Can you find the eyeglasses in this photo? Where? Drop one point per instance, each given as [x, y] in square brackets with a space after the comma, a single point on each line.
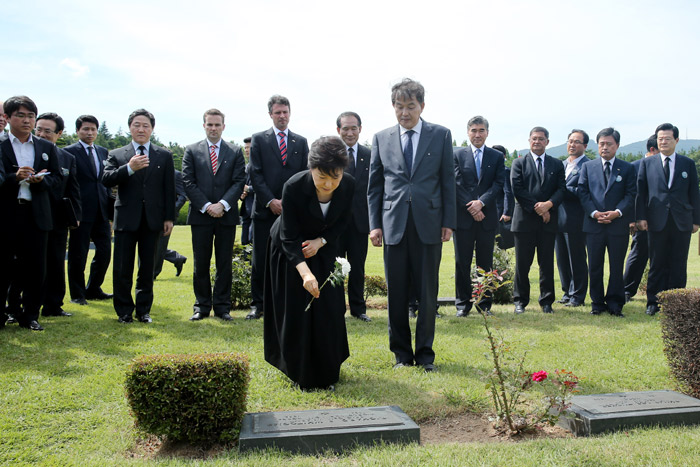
[43, 130]
[575, 141]
[22, 115]
[664, 139]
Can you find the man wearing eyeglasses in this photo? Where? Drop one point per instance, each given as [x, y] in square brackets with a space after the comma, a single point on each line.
[538, 187]
[29, 171]
[571, 256]
[668, 208]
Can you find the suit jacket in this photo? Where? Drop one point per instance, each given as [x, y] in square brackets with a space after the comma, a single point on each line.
[528, 191]
[655, 200]
[202, 186]
[267, 173]
[45, 157]
[360, 215]
[429, 190]
[67, 188]
[618, 193]
[506, 203]
[302, 218]
[570, 211]
[152, 188]
[180, 194]
[94, 195]
[487, 189]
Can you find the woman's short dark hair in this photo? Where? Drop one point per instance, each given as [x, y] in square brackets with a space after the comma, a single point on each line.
[328, 154]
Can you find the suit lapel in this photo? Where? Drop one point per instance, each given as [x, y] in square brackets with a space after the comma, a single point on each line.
[426, 135]
[38, 153]
[272, 139]
[614, 172]
[7, 149]
[204, 150]
[676, 171]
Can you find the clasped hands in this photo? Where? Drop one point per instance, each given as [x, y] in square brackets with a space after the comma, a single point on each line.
[542, 209]
[606, 217]
[474, 207]
[216, 210]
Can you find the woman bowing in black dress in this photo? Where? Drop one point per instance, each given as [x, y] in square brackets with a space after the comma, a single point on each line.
[309, 346]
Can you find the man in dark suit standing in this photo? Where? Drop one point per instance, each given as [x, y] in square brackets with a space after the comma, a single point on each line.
[162, 251]
[89, 159]
[412, 209]
[144, 210]
[639, 250]
[29, 172]
[607, 190]
[275, 155]
[479, 175]
[247, 198]
[66, 208]
[668, 207]
[214, 174]
[570, 239]
[354, 240]
[538, 187]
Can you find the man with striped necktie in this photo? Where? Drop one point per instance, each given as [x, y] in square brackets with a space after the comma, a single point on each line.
[214, 174]
[275, 155]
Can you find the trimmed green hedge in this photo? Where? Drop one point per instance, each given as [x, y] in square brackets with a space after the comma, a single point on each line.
[680, 328]
[194, 398]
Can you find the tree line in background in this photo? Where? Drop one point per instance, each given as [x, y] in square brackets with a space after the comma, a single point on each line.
[112, 141]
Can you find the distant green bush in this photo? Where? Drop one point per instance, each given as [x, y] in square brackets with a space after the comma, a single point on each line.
[194, 398]
[182, 215]
[241, 270]
[680, 328]
[375, 286]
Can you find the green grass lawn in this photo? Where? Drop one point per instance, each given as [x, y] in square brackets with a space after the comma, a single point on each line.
[62, 396]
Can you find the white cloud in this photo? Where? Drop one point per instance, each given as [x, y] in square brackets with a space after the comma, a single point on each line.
[74, 67]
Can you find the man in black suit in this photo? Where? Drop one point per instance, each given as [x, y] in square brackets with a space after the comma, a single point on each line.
[29, 172]
[412, 209]
[247, 198]
[214, 175]
[162, 251]
[607, 190]
[275, 155]
[571, 256]
[144, 210]
[479, 176]
[354, 240]
[89, 159]
[67, 212]
[538, 187]
[639, 250]
[668, 207]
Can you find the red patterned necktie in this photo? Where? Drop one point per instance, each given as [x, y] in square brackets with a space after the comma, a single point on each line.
[214, 159]
[283, 147]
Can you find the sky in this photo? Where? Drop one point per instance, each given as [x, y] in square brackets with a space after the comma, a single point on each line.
[558, 64]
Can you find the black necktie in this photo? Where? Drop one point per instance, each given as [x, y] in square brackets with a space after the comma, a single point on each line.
[142, 150]
[92, 161]
[408, 151]
[351, 162]
[540, 172]
[667, 169]
[606, 172]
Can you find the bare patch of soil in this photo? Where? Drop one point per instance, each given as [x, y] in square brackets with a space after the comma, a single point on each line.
[476, 428]
[154, 448]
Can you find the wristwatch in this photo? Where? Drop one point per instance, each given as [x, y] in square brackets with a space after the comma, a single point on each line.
[323, 241]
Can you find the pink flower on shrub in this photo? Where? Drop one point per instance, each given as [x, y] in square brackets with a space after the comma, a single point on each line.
[539, 376]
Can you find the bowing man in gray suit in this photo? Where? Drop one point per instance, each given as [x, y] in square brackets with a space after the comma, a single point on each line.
[214, 174]
[412, 207]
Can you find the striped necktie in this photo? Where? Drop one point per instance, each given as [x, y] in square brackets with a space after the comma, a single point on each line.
[283, 147]
[214, 158]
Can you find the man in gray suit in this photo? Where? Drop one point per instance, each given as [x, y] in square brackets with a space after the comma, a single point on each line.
[214, 174]
[412, 207]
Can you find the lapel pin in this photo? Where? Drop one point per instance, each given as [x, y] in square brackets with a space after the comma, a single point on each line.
[684, 174]
[619, 178]
[45, 156]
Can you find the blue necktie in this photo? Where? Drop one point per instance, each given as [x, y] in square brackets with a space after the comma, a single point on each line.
[408, 151]
[477, 162]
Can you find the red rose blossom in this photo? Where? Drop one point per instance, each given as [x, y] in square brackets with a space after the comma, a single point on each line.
[539, 376]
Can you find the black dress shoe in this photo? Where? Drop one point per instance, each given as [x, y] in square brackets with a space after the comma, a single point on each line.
[573, 303]
[616, 313]
[462, 313]
[126, 319]
[79, 301]
[145, 318]
[402, 365]
[596, 312]
[651, 310]
[58, 312]
[519, 309]
[564, 300]
[428, 367]
[412, 312]
[225, 317]
[628, 297]
[198, 316]
[547, 309]
[99, 295]
[11, 319]
[32, 326]
[362, 317]
[254, 314]
[178, 266]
